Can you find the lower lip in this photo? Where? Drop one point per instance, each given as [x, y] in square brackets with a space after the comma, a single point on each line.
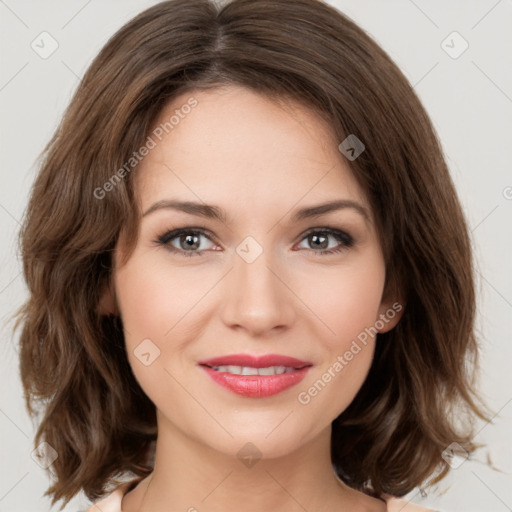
[256, 386]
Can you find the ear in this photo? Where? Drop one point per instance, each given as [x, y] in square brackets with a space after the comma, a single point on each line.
[107, 304]
[390, 313]
[392, 305]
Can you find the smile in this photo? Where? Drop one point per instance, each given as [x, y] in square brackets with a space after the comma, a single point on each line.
[255, 376]
[248, 370]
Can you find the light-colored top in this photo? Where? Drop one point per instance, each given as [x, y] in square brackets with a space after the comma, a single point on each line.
[112, 503]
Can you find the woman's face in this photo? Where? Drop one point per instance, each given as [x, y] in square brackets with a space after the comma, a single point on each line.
[252, 280]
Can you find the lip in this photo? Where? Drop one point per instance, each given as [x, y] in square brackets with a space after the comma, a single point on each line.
[256, 386]
[255, 361]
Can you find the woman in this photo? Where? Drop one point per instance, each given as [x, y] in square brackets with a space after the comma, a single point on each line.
[251, 279]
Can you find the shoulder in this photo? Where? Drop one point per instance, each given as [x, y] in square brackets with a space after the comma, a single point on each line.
[112, 502]
[402, 505]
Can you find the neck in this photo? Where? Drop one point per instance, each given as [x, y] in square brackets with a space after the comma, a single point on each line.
[190, 476]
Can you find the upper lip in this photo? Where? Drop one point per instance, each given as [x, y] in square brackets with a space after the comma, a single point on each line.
[262, 361]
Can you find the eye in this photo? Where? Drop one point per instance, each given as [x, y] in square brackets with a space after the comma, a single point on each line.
[319, 238]
[188, 241]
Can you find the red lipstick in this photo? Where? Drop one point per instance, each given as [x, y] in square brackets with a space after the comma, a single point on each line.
[278, 373]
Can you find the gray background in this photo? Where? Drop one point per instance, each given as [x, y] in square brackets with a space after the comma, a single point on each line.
[469, 99]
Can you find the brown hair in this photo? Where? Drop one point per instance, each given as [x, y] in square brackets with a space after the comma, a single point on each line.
[73, 363]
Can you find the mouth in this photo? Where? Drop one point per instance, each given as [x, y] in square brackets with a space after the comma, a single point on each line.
[249, 370]
[255, 376]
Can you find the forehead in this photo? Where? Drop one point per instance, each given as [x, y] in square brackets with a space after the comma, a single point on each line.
[241, 148]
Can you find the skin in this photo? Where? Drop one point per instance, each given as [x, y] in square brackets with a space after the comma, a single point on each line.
[270, 159]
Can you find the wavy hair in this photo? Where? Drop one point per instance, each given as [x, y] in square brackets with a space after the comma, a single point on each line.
[73, 363]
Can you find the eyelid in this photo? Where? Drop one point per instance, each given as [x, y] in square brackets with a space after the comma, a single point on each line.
[326, 229]
[175, 233]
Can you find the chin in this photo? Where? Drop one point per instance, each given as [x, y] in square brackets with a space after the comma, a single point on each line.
[262, 435]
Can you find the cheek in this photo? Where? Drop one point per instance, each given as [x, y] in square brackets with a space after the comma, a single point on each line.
[149, 309]
[154, 298]
[157, 302]
[334, 385]
[147, 315]
[346, 301]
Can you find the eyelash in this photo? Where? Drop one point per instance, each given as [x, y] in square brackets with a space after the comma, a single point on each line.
[345, 239]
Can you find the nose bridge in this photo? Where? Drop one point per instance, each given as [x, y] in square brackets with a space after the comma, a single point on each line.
[257, 299]
[252, 266]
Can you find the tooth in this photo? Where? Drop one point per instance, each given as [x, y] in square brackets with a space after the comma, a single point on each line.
[246, 370]
[225, 368]
[266, 371]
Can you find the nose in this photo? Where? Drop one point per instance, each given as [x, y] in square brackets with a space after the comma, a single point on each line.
[256, 296]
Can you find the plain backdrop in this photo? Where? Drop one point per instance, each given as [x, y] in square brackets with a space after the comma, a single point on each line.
[468, 94]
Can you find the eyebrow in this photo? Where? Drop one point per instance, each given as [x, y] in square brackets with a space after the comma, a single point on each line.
[214, 212]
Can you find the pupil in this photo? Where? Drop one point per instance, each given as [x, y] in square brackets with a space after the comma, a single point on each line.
[317, 238]
[190, 240]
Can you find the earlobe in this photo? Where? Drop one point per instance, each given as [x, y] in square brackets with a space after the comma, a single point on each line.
[107, 304]
[389, 315]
